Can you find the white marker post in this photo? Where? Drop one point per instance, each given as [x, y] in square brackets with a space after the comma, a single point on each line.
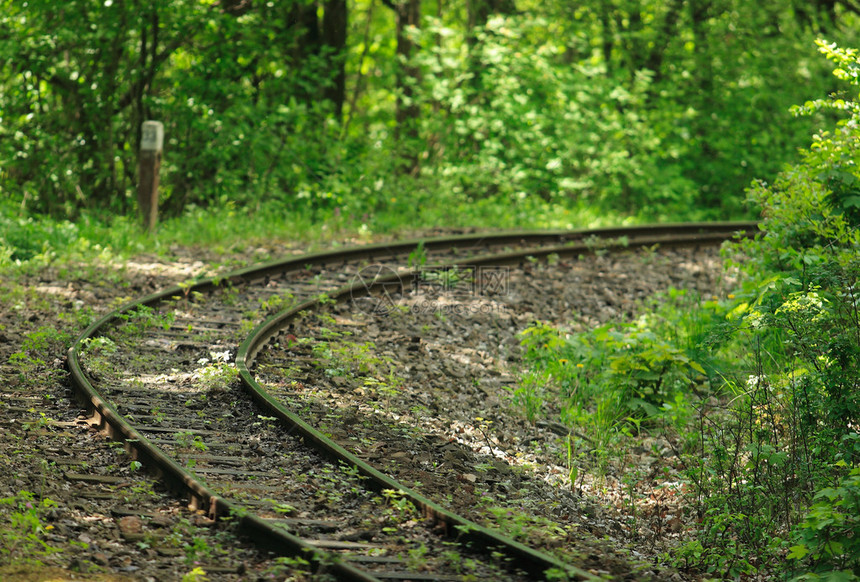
[149, 162]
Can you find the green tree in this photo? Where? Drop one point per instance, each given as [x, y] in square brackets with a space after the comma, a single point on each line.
[78, 79]
[635, 104]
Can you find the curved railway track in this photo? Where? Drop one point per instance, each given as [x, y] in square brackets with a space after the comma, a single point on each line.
[282, 481]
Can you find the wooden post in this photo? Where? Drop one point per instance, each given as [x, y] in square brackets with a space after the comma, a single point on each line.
[149, 162]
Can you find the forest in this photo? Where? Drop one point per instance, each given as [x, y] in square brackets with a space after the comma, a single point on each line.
[327, 120]
[366, 109]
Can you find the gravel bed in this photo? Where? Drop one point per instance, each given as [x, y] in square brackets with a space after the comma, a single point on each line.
[421, 385]
[73, 504]
[459, 370]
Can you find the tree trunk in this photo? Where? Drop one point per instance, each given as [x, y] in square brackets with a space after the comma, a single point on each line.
[607, 40]
[479, 11]
[408, 14]
[334, 34]
[699, 15]
[359, 77]
[478, 14]
[305, 22]
[668, 31]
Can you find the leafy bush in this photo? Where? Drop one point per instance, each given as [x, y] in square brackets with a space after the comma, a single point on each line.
[765, 455]
[773, 454]
[22, 239]
[619, 372]
[827, 540]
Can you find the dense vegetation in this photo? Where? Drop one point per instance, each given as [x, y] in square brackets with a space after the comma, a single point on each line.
[371, 108]
[759, 387]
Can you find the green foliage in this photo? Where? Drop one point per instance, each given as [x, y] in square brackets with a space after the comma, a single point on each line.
[811, 301]
[22, 239]
[217, 374]
[827, 538]
[237, 91]
[37, 345]
[143, 317]
[417, 258]
[790, 423]
[771, 457]
[277, 303]
[646, 107]
[22, 530]
[522, 107]
[196, 575]
[528, 396]
[96, 355]
[619, 371]
[197, 550]
[513, 122]
[285, 566]
[189, 441]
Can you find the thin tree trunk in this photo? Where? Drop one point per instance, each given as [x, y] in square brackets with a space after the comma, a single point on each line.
[699, 15]
[668, 30]
[303, 18]
[334, 35]
[478, 14]
[607, 40]
[408, 14]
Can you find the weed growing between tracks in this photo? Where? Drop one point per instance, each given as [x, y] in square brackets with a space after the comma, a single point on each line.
[23, 542]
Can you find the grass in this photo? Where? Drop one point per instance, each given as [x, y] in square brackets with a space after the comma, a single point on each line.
[35, 241]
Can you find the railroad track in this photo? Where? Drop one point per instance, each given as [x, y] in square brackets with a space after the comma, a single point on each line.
[160, 373]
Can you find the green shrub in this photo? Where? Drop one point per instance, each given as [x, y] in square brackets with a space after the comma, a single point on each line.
[620, 373]
[771, 452]
[514, 121]
[772, 465]
[22, 531]
[22, 239]
[828, 539]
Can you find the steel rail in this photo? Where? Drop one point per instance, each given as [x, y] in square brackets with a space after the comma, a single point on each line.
[536, 563]
[567, 243]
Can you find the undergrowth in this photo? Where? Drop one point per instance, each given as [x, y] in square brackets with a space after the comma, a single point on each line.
[23, 530]
[758, 390]
[36, 241]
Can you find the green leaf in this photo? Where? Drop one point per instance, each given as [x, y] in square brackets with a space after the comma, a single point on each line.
[851, 202]
[738, 311]
[798, 552]
[697, 367]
